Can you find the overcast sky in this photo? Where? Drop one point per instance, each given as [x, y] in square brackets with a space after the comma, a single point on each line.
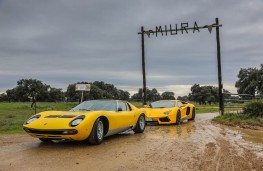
[61, 42]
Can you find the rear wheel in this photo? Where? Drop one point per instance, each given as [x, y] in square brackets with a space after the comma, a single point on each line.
[178, 117]
[193, 114]
[97, 133]
[140, 125]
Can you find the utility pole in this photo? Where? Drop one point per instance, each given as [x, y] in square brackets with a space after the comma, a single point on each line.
[220, 85]
[143, 69]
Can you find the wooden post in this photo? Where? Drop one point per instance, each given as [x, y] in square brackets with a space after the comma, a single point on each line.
[143, 69]
[220, 85]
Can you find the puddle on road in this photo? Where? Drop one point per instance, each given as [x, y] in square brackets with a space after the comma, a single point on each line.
[239, 137]
[254, 136]
[171, 132]
[178, 132]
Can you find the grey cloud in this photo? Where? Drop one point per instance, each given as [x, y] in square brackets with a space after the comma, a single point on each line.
[63, 41]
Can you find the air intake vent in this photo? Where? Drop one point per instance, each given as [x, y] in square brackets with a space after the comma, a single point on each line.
[60, 116]
[166, 119]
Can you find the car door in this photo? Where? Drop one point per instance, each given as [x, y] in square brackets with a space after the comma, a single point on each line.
[183, 109]
[125, 114]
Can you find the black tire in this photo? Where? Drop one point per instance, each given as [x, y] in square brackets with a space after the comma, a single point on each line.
[178, 117]
[97, 134]
[140, 125]
[45, 140]
[193, 114]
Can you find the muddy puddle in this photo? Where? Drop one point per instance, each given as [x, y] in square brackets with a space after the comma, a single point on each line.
[253, 136]
[171, 132]
[246, 138]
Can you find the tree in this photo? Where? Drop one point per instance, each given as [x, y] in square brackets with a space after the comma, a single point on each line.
[3, 97]
[152, 95]
[196, 94]
[248, 81]
[137, 96]
[184, 98]
[55, 95]
[123, 95]
[27, 89]
[32, 88]
[11, 95]
[206, 94]
[168, 95]
[111, 91]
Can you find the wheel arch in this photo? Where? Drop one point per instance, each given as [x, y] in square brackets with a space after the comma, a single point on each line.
[137, 128]
[105, 124]
[142, 114]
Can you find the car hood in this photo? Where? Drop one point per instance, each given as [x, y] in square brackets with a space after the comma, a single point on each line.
[62, 114]
[57, 119]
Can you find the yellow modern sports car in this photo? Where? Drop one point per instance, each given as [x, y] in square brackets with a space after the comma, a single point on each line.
[169, 112]
[90, 120]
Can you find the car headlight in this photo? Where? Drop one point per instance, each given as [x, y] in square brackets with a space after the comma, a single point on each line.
[32, 119]
[167, 112]
[77, 121]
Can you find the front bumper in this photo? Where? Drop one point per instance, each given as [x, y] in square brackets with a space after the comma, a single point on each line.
[52, 132]
[58, 134]
[170, 119]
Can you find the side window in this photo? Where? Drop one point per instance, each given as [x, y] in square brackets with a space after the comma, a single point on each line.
[123, 106]
[179, 104]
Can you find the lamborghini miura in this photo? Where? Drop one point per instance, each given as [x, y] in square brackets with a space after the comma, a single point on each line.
[91, 121]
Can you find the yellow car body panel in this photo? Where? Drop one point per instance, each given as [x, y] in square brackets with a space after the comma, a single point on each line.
[56, 124]
[168, 115]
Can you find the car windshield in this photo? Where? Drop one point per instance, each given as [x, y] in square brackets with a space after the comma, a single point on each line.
[161, 104]
[94, 105]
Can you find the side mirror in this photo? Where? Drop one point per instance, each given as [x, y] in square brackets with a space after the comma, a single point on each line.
[119, 109]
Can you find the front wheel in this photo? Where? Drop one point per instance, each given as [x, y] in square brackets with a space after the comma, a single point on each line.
[193, 114]
[140, 125]
[97, 133]
[178, 117]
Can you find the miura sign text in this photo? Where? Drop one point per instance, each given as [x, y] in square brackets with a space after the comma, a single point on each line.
[174, 29]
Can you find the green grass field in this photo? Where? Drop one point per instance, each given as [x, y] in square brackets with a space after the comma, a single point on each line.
[13, 115]
[238, 119]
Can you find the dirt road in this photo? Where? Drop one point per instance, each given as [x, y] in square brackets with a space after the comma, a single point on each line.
[195, 145]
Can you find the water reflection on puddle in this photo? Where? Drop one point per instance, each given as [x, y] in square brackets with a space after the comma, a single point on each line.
[172, 132]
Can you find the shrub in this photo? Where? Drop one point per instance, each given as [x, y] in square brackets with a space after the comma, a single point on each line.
[254, 108]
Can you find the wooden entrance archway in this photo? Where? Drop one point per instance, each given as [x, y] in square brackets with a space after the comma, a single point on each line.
[184, 28]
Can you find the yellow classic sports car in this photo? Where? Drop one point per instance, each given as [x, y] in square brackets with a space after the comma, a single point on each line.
[169, 112]
[90, 120]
